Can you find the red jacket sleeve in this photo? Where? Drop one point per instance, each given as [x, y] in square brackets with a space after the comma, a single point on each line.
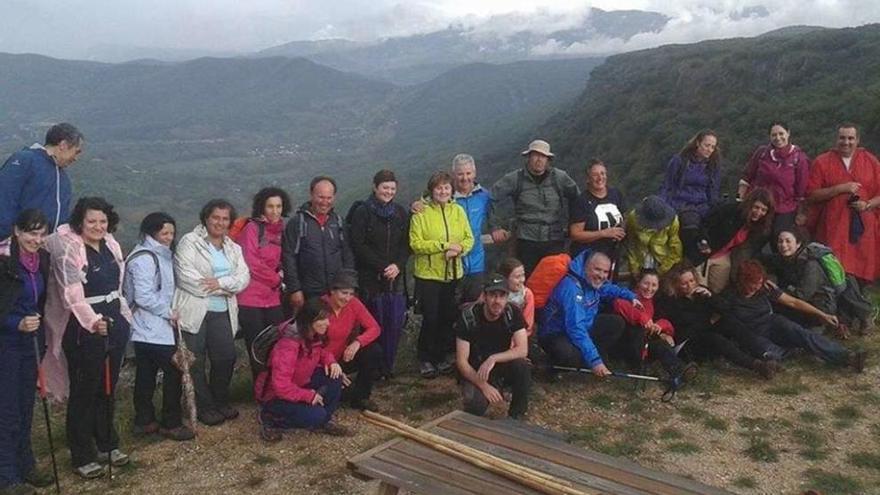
[283, 368]
[261, 271]
[367, 322]
[666, 327]
[629, 313]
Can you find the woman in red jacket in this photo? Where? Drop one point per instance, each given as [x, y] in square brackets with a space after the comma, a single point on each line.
[302, 385]
[259, 305]
[658, 340]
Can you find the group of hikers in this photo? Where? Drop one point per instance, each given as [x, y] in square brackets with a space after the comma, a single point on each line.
[778, 269]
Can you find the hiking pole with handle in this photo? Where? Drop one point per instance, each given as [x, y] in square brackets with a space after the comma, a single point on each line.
[108, 394]
[41, 386]
[672, 384]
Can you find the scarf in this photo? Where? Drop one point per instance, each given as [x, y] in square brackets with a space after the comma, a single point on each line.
[382, 210]
[30, 261]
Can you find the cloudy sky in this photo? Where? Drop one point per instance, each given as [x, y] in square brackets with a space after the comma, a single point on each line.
[74, 28]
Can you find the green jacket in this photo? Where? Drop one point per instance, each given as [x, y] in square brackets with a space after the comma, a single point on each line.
[541, 208]
[431, 232]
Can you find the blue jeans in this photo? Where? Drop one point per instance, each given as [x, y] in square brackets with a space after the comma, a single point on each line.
[786, 334]
[283, 414]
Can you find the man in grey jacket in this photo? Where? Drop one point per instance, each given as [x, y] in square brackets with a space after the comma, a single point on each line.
[540, 195]
[314, 248]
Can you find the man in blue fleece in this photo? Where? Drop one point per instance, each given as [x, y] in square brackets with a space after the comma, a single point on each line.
[35, 177]
[573, 333]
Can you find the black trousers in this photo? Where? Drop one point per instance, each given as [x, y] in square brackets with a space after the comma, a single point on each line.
[214, 341]
[90, 412]
[610, 335]
[531, 252]
[514, 374]
[661, 351]
[150, 358]
[712, 343]
[367, 362]
[253, 321]
[439, 312]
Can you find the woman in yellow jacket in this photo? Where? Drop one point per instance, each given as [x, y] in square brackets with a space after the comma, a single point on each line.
[439, 237]
[652, 239]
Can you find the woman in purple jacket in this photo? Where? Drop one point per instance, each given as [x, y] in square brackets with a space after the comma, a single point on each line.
[259, 305]
[783, 169]
[692, 186]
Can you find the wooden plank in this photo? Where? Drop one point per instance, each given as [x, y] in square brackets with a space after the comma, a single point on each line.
[555, 451]
[405, 478]
[353, 461]
[583, 480]
[386, 489]
[453, 471]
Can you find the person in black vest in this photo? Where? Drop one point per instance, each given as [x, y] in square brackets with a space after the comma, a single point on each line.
[379, 237]
[314, 247]
[491, 348]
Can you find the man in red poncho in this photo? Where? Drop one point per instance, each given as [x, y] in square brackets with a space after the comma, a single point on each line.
[844, 185]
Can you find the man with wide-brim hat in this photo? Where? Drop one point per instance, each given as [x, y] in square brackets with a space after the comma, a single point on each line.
[540, 195]
[652, 233]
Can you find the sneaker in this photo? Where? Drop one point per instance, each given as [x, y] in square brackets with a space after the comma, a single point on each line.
[428, 370]
[446, 366]
[147, 429]
[856, 361]
[364, 405]
[90, 471]
[17, 489]
[270, 435]
[39, 478]
[211, 417]
[117, 457]
[179, 434]
[228, 412]
[335, 430]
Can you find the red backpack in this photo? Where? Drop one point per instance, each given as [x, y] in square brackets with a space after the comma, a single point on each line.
[545, 277]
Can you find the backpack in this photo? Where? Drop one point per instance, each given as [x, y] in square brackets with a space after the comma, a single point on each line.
[301, 218]
[832, 266]
[128, 285]
[546, 276]
[265, 341]
[240, 223]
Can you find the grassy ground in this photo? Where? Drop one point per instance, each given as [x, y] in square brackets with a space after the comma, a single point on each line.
[813, 427]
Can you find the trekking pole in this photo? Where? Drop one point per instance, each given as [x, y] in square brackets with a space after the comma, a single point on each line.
[672, 384]
[108, 394]
[41, 385]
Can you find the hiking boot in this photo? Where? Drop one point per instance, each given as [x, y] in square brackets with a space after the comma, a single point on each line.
[179, 434]
[446, 366]
[428, 370]
[117, 457]
[270, 435]
[866, 326]
[334, 430]
[364, 405]
[17, 489]
[688, 373]
[90, 471]
[856, 361]
[211, 417]
[39, 478]
[228, 412]
[147, 429]
[767, 369]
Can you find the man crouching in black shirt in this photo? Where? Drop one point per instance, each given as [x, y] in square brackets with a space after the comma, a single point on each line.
[491, 346]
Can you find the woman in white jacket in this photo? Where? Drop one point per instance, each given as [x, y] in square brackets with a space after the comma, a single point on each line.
[210, 271]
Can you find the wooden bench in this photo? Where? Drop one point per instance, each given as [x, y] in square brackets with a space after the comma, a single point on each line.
[402, 464]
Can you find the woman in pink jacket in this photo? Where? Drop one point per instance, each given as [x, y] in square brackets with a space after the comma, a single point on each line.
[88, 318]
[302, 386]
[259, 305]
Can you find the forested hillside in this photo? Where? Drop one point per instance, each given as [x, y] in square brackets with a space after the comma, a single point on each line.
[639, 108]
